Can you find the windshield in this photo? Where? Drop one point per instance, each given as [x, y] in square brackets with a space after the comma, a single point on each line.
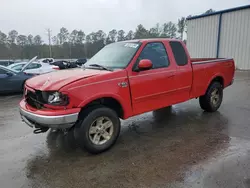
[115, 55]
[8, 69]
[17, 67]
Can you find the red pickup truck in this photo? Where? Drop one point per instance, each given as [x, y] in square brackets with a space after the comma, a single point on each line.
[123, 79]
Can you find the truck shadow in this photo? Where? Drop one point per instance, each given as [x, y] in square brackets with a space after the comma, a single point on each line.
[154, 148]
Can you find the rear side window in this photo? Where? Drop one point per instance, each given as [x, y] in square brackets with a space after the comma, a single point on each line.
[34, 66]
[18, 67]
[179, 53]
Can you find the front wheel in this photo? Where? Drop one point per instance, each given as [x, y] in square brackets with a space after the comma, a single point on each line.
[212, 100]
[23, 86]
[99, 130]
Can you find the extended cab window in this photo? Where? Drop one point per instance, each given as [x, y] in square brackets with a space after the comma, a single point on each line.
[179, 53]
[155, 52]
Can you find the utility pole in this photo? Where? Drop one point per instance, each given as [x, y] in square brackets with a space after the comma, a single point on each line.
[49, 36]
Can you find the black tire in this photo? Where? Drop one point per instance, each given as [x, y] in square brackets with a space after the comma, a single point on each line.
[23, 85]
[84, 124]
[206, 101]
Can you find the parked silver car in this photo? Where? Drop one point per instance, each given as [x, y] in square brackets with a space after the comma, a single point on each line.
[13, 81]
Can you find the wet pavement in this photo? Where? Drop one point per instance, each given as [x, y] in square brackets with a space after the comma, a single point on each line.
[177, 147]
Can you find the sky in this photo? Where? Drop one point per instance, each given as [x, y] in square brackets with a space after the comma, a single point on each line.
[35, 16]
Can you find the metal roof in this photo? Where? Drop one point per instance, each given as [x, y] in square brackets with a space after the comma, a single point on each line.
[219, 12]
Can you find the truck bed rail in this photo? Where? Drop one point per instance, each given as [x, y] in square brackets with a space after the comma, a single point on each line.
[208, 60]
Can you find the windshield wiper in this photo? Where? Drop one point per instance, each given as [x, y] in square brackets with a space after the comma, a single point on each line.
[100, 66]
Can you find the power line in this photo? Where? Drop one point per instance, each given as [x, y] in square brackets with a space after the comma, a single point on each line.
[49, 36]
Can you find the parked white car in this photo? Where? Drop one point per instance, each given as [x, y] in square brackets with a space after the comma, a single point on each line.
[46, 60]
[34, 67]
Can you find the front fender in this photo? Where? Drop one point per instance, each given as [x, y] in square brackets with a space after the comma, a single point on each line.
[126, 106]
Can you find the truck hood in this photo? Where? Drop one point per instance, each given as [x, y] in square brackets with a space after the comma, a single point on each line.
[56, 80]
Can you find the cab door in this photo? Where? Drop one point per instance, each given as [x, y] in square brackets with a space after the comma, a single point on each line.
[184, 74]
[155, 88]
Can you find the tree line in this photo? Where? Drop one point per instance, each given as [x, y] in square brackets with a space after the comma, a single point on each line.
[77, 44]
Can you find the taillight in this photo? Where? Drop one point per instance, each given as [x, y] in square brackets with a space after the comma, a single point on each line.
[55, 68]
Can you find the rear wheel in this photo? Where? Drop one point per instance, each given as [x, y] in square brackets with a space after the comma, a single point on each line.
[212, 100]
[23, 87]
[99, 130]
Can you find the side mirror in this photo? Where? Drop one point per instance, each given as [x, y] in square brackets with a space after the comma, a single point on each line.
[9, 74]
[145, 64]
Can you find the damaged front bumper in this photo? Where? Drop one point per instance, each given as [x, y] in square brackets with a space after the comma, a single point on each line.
[48, 119]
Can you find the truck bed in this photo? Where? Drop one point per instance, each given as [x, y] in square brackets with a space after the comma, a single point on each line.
[207, 69]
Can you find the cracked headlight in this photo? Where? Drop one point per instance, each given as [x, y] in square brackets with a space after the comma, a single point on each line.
[55, 98]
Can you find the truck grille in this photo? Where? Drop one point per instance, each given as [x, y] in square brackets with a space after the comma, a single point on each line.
[34, 99]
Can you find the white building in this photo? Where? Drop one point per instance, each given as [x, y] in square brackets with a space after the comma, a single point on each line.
[222, 34]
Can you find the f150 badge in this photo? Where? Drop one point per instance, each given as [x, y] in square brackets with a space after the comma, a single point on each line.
[123, 84]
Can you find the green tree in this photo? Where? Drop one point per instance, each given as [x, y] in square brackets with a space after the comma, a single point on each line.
[80, 37]
[3, 47]
[93, 37]
[22, 40]
[130, 35]
[181, 26]
[30, 40]
[38, 40]
[155, 32]
[121, 35]
[141, 32]
[76, 44]
[12, 36]
[73, 36]
[100, 36]
[94, 42]
[63, 35]
[88, 38]
[169, 30]
[112, 36]
[3, 38]
[99, 42]
[55, 40]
